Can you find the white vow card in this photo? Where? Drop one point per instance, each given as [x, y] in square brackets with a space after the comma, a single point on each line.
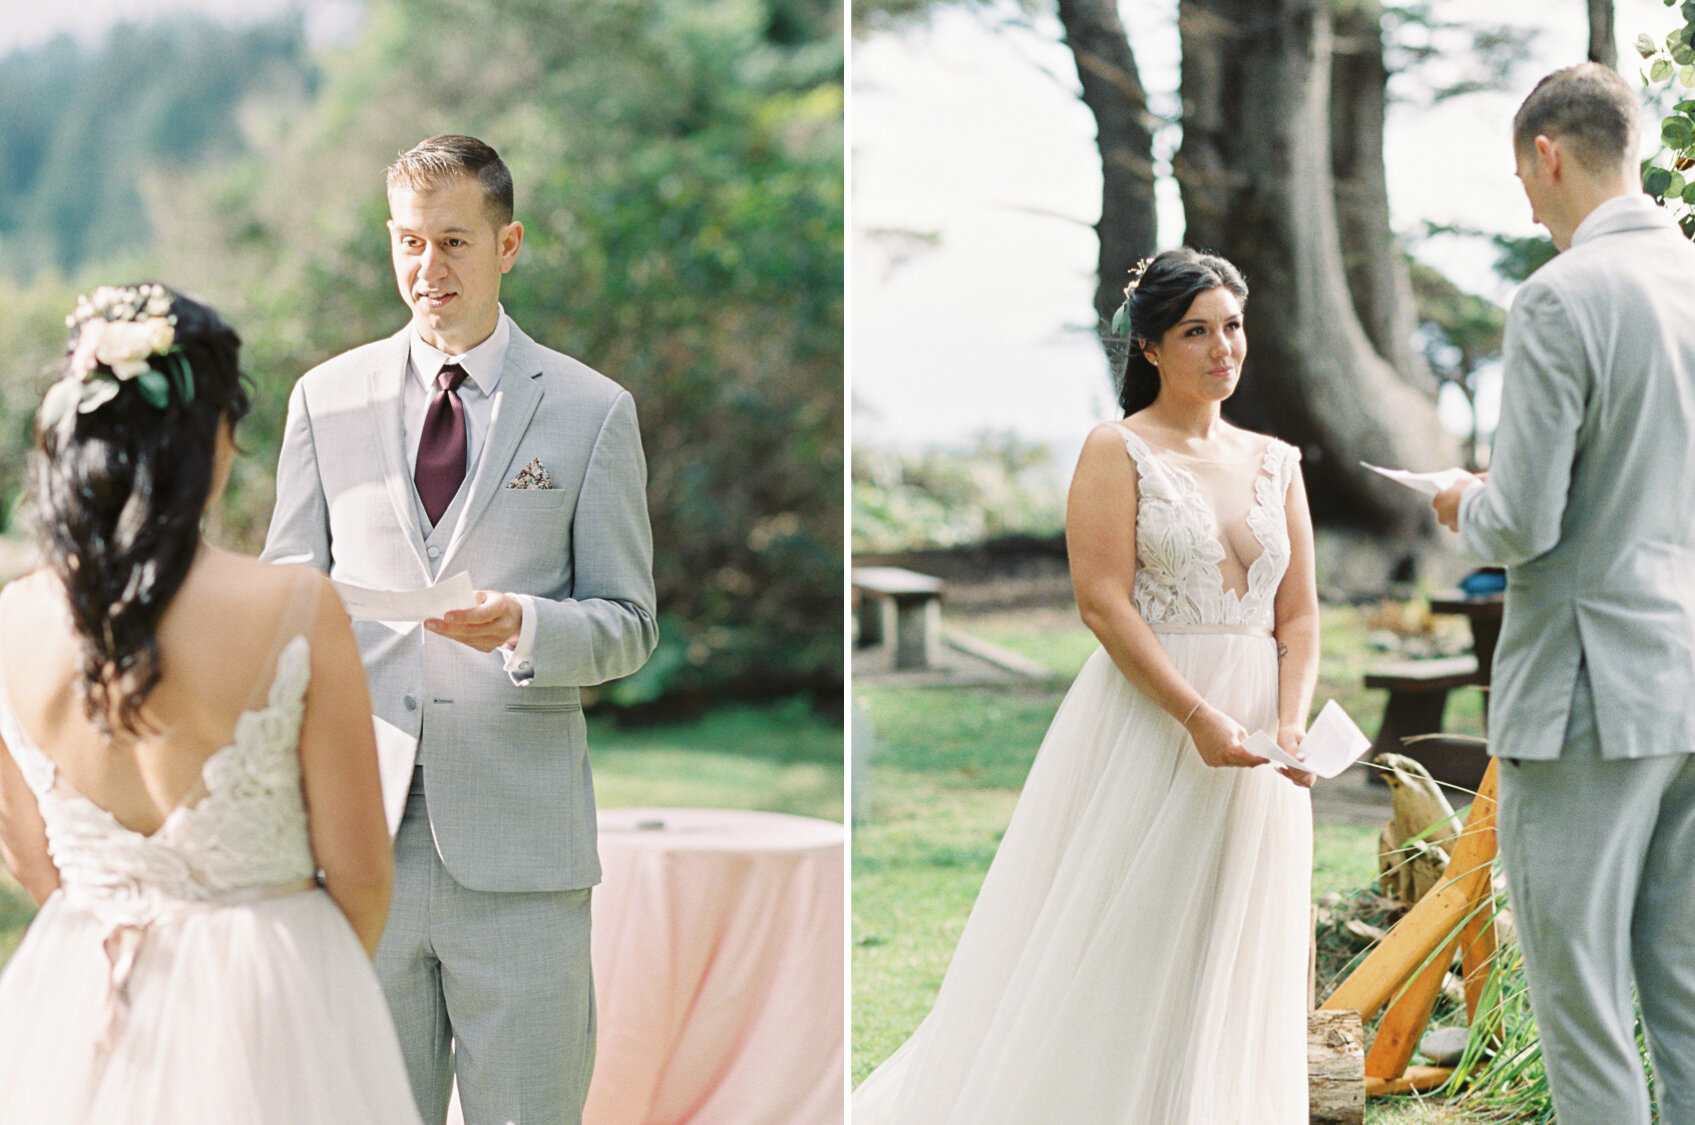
[365, 604]
[1428, 483]
[1333, 743]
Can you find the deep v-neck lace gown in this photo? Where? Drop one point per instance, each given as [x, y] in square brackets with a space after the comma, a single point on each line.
[1137, 954]
[195, 975]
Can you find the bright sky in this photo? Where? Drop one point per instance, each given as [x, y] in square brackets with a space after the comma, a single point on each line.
[969, 133]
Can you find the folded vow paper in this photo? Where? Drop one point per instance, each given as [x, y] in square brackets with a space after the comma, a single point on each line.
[408, 605]
[1428, 483]
[1332, 744]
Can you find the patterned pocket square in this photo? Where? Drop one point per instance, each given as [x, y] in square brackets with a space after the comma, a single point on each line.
[533, 475]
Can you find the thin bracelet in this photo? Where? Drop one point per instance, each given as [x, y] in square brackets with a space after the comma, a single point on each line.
[1191, 713]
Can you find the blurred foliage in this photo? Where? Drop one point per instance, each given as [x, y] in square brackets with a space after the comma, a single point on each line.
[1001, 485]
[679, 172]
[1669, 176]
[81, 128]
[1460, 334]
[1435, 56]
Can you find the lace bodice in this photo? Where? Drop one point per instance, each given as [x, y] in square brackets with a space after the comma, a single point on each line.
[1180, 542]
[247, 831]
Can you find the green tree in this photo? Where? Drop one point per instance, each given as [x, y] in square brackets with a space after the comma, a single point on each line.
[679, 170]
[680, 177]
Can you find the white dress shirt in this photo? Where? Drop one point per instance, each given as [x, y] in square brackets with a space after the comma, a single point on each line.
[483, 365]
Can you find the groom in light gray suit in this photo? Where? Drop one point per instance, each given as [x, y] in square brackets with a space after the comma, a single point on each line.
[460, 444]
[1590, 505]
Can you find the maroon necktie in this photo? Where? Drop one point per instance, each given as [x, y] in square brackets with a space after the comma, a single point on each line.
[441, 445]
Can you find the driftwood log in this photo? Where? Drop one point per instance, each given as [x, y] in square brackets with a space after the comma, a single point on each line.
[1336, 1067]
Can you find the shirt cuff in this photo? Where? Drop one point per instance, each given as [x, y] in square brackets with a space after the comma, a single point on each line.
[521, 655]
[1467, 495]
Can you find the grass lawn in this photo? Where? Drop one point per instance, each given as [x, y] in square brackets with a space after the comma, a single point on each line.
[779, 757]
[946, 772]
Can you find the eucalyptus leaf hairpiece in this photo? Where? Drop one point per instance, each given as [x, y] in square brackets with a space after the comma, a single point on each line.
[1121, 318]
[119, 332]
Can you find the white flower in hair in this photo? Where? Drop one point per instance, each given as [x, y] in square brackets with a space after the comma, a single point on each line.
[120, 333]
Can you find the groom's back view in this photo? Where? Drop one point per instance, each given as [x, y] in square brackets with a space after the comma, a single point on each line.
[460, 444]
[1590, 505]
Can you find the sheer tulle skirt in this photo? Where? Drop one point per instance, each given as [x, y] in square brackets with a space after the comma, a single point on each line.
[264, 1013]
[1137, 954]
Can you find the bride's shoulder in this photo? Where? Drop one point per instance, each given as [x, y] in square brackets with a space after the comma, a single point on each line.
[32, 595]
[1108, 436]
[1255, 444]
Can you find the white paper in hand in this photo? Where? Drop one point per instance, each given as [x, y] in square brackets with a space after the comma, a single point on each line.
[365, 604]
[1332, 744]
[1427, 483]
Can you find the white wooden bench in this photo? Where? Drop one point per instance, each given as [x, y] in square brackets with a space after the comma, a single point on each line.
[903, 606]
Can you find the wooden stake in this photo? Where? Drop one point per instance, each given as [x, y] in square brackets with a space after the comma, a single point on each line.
[1407, 952]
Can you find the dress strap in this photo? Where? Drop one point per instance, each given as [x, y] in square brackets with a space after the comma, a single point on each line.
[299, 612]
[1279, 461]
[1138, 449]
[33, 762]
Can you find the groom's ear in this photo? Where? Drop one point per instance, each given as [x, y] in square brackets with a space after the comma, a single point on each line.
[1551, 153]
[511, 237]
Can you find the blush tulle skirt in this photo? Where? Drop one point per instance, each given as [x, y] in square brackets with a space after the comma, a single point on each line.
[1138, 952]
[265, 1013]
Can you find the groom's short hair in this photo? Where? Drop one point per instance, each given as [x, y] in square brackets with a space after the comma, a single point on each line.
[1590, 108]
[432, 163]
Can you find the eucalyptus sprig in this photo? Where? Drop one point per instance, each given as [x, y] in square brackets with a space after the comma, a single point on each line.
[1669, 176]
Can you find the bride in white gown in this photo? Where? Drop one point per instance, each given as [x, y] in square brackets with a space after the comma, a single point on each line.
[1137, 954]
[188, 743]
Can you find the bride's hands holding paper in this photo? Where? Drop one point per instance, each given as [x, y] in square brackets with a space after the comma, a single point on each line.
[1219, 738]
[1289, 738]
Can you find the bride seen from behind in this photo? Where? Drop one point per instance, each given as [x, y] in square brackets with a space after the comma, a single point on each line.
[187, 743]
[1138, 951]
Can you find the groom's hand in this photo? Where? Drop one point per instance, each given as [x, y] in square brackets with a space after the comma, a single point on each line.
[1447, 502]
[492, 622]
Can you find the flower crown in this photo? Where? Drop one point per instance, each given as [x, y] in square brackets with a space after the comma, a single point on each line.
[1121, 318]
[121, 330]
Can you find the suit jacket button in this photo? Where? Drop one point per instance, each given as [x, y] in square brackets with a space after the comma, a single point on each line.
[434, 552]
[411, 702]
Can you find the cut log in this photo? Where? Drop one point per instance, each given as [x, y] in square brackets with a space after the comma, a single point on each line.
[1336, 1067]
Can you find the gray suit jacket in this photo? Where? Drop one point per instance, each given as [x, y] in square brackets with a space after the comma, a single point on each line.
[1590, 500]
[510, 797]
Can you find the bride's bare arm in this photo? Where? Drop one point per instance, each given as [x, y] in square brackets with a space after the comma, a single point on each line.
[1100, 538]
[23, 836]
[338, 762]
[1296, 626]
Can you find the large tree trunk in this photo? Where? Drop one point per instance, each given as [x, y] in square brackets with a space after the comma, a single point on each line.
[1377, 273]
[1112, 89]
[1254, 171]
[1603, 38]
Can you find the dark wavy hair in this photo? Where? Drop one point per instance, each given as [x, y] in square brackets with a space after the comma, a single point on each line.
[118, 495]
[1169, 285]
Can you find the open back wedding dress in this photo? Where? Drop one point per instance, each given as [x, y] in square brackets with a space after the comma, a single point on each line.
[196, 975]
[1137, 954]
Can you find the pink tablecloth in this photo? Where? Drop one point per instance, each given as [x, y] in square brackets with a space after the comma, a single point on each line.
[718, 961]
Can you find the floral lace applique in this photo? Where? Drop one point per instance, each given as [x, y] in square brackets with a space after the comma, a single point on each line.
[1177, 549]
[248, 829]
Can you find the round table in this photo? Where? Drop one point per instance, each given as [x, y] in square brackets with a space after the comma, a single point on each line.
[718, 959]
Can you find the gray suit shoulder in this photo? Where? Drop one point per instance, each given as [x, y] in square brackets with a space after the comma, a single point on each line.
[342, 375]
[581, 384]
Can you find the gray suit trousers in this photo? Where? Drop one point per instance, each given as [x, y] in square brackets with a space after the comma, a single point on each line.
[1600, 864]
[492, 986]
